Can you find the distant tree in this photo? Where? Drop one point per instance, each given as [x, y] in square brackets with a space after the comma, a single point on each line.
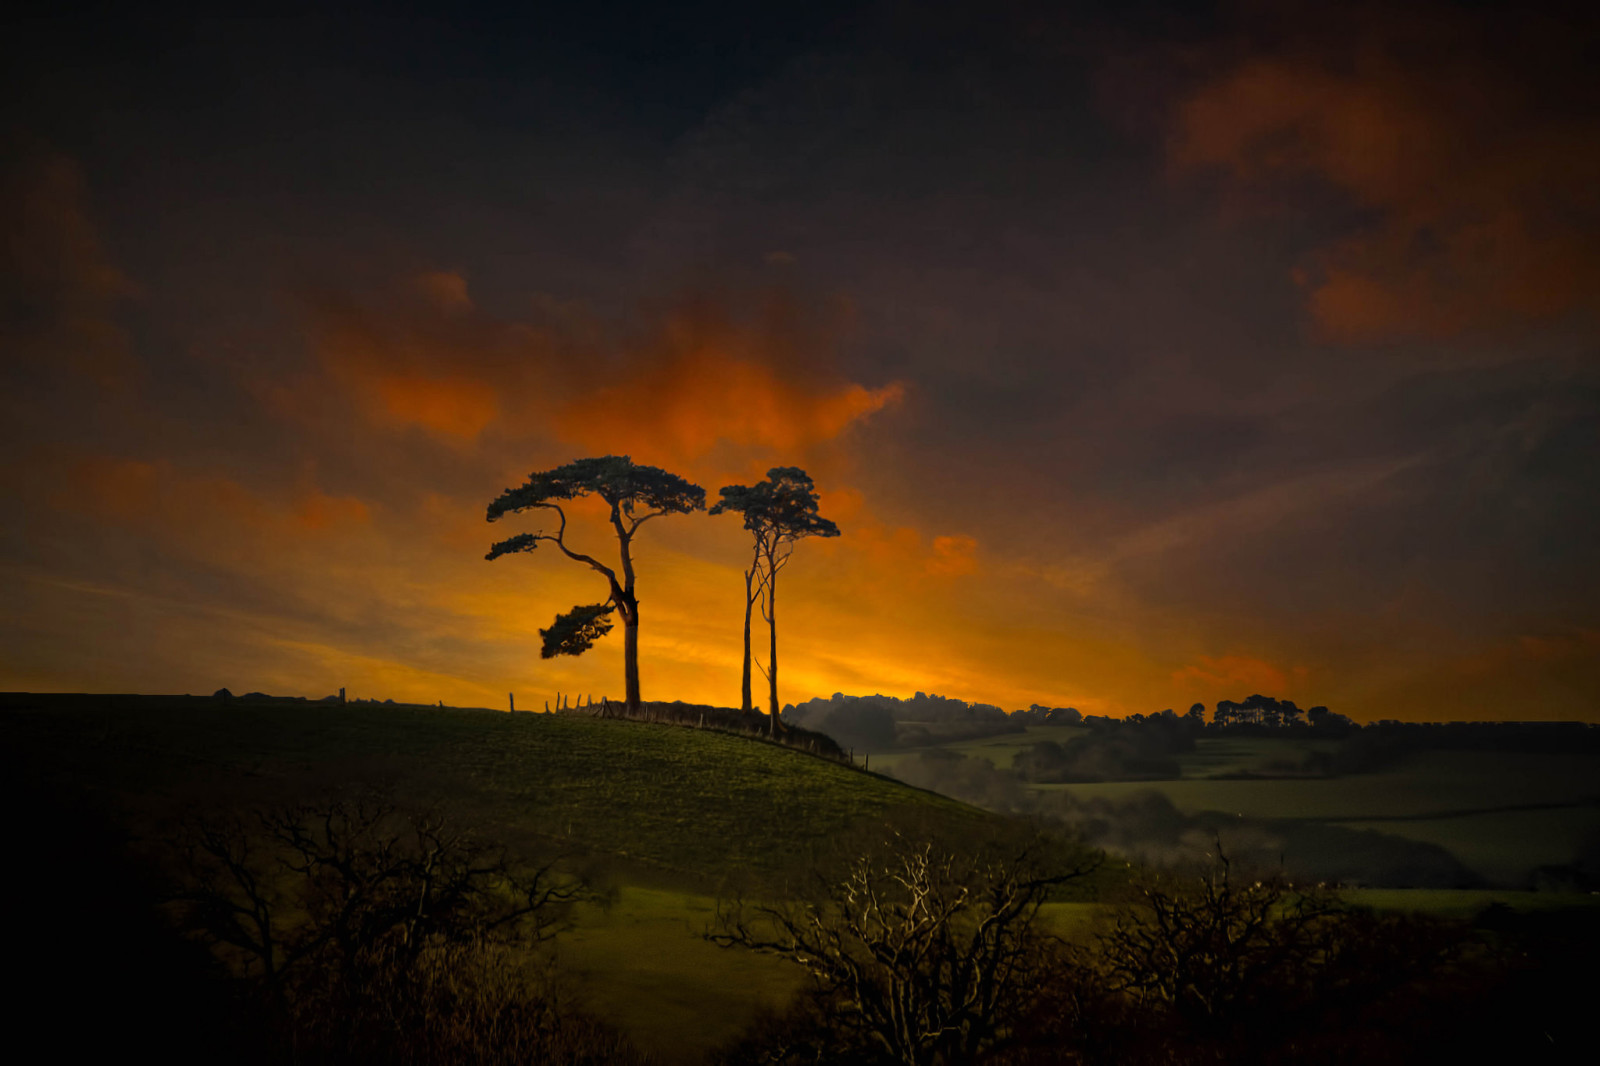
[779, 512]
[635, 494]
[1196, 718]
[1259, 710]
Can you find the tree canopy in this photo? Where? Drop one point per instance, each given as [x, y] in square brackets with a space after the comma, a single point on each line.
[617, 479]
[783, 507]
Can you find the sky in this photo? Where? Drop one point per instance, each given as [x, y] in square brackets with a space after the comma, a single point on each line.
[1144, 354]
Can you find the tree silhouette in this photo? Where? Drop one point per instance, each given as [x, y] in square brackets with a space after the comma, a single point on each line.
[779, 512]
[917, 952]
[636, 494]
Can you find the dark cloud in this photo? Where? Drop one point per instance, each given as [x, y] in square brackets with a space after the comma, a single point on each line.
[1467, 140]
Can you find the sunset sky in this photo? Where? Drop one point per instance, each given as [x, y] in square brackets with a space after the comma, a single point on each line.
[1144, 354]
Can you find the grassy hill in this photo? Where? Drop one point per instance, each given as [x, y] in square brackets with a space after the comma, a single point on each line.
[670, 803]
[671, 813]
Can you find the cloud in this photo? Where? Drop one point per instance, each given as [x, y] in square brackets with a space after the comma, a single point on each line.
[897, 556]
[1551, 673]
[1473, 168]
[692, 380]
[706, 381]
[420, 356]
[198, 508]
[448, 407]
[62, 290]
[446, 289]
[954, 555]
[1531, 653]
[1226, 676]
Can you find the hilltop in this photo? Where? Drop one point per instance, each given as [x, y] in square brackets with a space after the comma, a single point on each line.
[669, 802]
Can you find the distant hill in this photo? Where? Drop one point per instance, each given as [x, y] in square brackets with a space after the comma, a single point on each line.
[685, 804]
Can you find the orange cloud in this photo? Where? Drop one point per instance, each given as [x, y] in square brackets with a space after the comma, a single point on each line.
[701, 394]
[1481, 179]
[451, 407]
[884, 556]
[953, 556]
[316, 510]
[697, 380]
[422, 356]
[1226, 675]
[1534, 652]
[200, 506]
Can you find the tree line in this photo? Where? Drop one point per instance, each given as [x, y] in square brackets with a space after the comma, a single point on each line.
[778, 512]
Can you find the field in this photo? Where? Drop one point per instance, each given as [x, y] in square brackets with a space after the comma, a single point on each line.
[1502, 814]
[643, 964]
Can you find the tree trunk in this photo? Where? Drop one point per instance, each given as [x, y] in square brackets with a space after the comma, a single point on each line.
[630, 656]
[749, 602]
[772, 651]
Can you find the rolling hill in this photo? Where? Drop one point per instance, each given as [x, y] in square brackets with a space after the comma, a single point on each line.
[664, 803]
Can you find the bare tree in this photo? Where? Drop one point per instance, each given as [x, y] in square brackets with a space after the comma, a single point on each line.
[1210, 946]
[363, 927]
[916, 953]
[1219, 965]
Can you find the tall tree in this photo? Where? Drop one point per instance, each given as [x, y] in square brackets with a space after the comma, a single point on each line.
[779, 512]
[635, 494]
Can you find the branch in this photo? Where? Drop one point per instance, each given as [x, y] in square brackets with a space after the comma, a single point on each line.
[527, 542]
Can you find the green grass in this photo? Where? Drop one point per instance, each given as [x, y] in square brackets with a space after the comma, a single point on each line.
[1502, 814]
[687, 805]
[1466, 902]
[644, 965]
[1504, 846]
[1436, 784]
[671, 812]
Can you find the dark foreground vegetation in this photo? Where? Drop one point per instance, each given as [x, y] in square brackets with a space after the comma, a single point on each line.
[918, 954]
[338, 930]
[276, 883]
